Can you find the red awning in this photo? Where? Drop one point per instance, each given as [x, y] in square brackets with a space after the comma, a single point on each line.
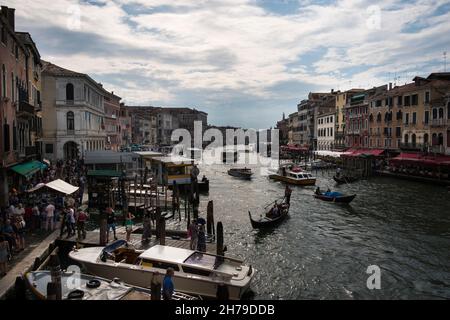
[365, 152]
[422, 159]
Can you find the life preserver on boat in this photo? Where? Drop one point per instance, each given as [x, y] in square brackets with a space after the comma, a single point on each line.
[94, 283]
[76, 294]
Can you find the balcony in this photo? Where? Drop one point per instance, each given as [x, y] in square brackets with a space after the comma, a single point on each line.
[412, 146]
[439, 122]
[25, 109]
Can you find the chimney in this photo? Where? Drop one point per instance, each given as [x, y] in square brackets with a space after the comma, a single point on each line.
[332, 90]
[390, 86]
[8, 13]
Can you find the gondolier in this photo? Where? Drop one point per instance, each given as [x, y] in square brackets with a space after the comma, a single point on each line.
[287, 194]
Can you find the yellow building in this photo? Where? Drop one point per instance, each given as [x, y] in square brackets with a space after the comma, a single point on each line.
[342, 99]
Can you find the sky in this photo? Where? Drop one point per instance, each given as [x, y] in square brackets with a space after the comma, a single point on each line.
[244, 62]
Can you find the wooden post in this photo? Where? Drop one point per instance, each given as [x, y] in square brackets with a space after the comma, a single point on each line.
[56, 275]
[103, 228]
[157, 221]
[219, 243]
[20, 288]
[165, 195]
[162, 231]
[210, 218]
[135, 200]
[52, 291]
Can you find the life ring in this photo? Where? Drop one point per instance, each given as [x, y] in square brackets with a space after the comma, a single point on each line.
[75, 294]
[94, 283]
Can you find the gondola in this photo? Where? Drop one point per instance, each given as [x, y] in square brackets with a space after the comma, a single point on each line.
[343, 179]
[267, 222]
[245, 173]
[335, 197]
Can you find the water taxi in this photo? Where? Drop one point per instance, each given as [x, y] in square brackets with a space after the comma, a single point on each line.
[292, 174]
[197, 273]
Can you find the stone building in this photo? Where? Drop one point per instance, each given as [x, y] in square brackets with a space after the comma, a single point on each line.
[112, 121]
[326, 130]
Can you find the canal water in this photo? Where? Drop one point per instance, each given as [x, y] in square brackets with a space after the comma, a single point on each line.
[324, 249]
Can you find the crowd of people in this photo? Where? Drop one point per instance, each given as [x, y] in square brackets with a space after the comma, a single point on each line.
[42, 211]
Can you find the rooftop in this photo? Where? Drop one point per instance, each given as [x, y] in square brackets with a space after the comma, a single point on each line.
[166, 253]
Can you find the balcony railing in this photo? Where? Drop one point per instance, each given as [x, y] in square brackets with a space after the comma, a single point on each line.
[412, 146]
[439, 122]
[25, 109]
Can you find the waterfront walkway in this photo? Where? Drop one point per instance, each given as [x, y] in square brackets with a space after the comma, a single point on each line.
[26, 263]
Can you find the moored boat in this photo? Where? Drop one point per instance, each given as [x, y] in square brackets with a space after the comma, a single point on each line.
[197, 273]
[243, 173]
[335, 197]
[269, 220]
[86, 287]
[292, 174]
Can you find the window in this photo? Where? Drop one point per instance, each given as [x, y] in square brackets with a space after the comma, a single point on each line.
[3, 81]
[398, 131]
[406, 118]
[399, 100]
[414, 99]
[414, 118]
[427, 97]
[427, 117]
[49, 148]
[425, 138]
[379, 117]
[199, 272]
[407, 100]
[4, 36]
[434, 113]
[70, 121]
[441, 113]
[14, 136]
[6, 138]
[413, 139]
[12, 88]
[69, 92]
[406, 138]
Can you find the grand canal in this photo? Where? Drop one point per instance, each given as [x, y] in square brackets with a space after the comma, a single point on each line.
[323, 250]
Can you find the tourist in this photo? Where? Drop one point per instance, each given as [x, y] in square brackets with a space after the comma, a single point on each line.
[20, 211]
[147, 227]
[70, 222]
[193, 233]
[4, 253]
[111, 223]
[19, 229]
[287, 194]
[8, 233]
[81, 224]
[50, 214]
[28, 217]
[201, 245]
[129, 225]
[168, 287]
[155, 286]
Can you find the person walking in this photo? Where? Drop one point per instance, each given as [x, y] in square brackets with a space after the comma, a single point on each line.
[129, 225]
[81, 225]
[63, 223]
[111, 223]
[193, 232]
[168, 287]
[155, 286]
[70, 221]
[36, 221]
[50, 213]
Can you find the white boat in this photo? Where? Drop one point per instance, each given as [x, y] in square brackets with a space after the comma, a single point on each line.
[293, 174]
[196, 272]
[86, 287]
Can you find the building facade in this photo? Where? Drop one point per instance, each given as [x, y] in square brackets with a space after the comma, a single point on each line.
[326, 131]
[112, 121]
[125, 127]
[19, 99]
[72, 113]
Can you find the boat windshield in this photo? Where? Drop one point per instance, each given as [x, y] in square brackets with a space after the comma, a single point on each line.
[202, 260]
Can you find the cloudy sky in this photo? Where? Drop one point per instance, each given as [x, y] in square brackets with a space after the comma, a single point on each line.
[245, 62]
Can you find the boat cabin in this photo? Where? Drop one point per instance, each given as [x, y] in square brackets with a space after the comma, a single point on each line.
[168, 170]
[300, 175]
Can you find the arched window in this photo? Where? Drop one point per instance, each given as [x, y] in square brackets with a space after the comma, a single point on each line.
[70, 121]
[379, 117]
[434, 113]
[441, 113]
[69, 92]
[413, 139]
[371, 118]
[425, 138]
[434, 139]
[406, 138]
[440, 139]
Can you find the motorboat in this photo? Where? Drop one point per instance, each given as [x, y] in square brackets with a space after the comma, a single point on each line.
[243, 173]
[195, 272]
[78, 286]
[293, 174]
[334, 197]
